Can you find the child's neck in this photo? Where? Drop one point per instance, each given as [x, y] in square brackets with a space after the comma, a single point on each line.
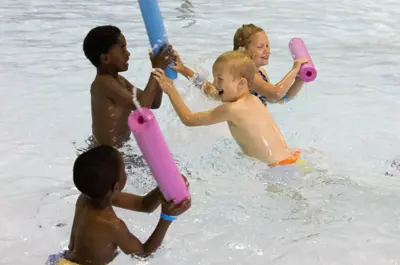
[102, 203]
[105, 71]
[242, 95]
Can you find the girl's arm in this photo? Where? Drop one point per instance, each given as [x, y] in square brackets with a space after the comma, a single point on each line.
[274, 93]
[207, 87]
[294, 89]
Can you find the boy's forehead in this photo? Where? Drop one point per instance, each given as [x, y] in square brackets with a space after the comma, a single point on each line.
[121, 39]
[220, 71]
[222, 68]
[219, 66]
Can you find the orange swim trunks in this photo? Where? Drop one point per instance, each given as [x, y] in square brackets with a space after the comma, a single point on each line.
[288, 161]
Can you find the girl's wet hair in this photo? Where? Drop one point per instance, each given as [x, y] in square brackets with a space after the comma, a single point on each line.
[243, 35]
[97, 171]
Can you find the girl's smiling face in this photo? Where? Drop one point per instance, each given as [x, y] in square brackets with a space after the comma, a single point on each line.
[259, 48]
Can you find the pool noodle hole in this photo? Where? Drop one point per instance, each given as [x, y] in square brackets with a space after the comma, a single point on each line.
[308, 74]
[141, 120]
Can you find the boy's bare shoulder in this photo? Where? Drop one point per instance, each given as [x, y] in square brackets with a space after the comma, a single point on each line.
[107, 218]
[125, 82]
[103, 83]
[241, 107]
[80, 200]
[106, 82]
[116, 224]
[237, 105]
[102, 80]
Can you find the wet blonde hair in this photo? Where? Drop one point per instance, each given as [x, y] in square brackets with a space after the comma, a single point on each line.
[243, 35]
[239, 64]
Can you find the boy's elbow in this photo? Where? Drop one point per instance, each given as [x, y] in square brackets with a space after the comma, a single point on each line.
[143, 254]
[156, 105]
[145, 251]
[149, 209]
[187, 122]
[157, 101]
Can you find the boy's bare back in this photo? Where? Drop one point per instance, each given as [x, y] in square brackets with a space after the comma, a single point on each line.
[92, 234]
[252, 125]
[109, 116]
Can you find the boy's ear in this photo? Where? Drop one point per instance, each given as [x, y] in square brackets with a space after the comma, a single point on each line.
[104, 58]
[116, 187]
[243, 82]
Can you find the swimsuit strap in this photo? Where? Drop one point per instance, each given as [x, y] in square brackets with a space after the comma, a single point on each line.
[263, 76]
[262, 98]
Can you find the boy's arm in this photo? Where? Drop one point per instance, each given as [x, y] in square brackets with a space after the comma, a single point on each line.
[130, 244]
[78, 205]
[145, 204]
[151, 97]
[71, 244]
[219, 114]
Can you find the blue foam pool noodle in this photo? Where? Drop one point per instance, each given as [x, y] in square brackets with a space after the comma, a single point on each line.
[155, 28]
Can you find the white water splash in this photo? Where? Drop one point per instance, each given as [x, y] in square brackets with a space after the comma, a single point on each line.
[199, 78]
[136, 102]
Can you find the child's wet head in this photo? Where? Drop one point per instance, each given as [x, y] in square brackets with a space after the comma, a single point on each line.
[255, 40]
[98, 174]
[233, 72]
[105, 48]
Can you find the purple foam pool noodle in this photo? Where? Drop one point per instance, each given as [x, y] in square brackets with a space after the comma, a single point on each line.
[298, 50]
[155, 151]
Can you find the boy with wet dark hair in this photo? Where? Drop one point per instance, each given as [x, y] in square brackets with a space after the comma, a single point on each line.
[97, 232]
[111, 94]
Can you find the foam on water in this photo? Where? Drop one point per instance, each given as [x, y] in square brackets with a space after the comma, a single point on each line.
[344, 212]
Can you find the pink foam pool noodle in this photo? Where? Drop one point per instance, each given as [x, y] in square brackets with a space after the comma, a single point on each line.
[298, 50]
[155, 151]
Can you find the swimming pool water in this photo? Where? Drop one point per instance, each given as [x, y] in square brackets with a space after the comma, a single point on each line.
[347, 121]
